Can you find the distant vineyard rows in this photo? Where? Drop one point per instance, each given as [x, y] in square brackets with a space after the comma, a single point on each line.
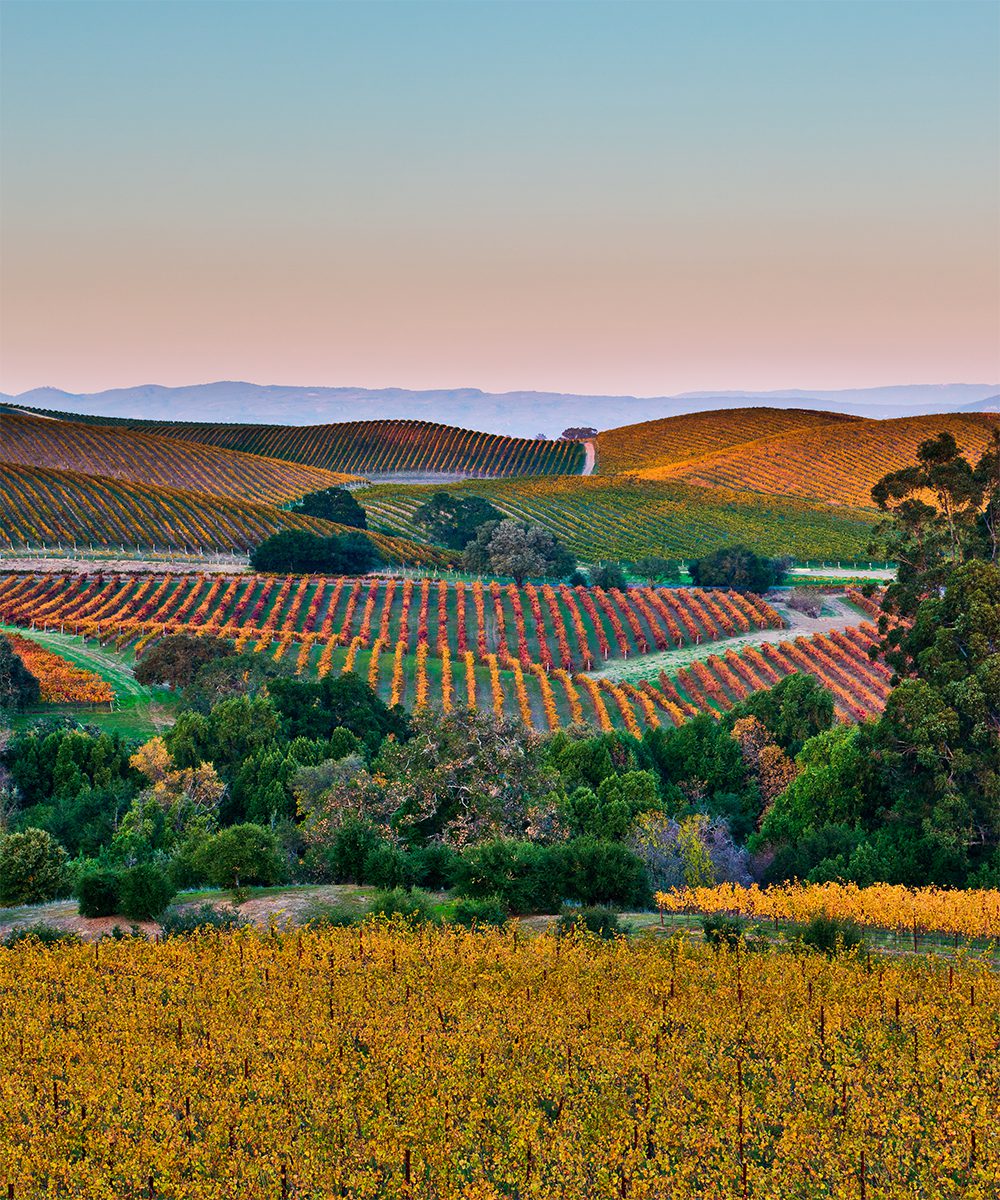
[60, 681]
[374, 447]
[122, 454]
[43, 506]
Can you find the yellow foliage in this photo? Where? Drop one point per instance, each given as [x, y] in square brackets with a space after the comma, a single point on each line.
[387, 1063]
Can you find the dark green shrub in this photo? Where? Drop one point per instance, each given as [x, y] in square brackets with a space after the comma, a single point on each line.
[479, 914]
[388, 867]
[176, 921]
[523, 876]
[596, 919]
[722, 930]
[591, 871]
[415, 905]
[145, 892]
[98, 893]
[32, 868]
[829, 935]
[344, 859]
[435, 867]
[46, 935]
[241, 855]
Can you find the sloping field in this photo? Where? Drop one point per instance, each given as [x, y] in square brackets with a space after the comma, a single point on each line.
[116, 452]
[616, 517]
[569, 627]
[382, 447]
[39, 506]
[835, 464]
[692, 435]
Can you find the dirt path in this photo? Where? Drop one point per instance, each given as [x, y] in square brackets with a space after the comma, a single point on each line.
[838, 615]
[590, 457]
[123, 566]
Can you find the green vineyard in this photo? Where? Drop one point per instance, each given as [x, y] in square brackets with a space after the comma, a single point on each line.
[621, 517]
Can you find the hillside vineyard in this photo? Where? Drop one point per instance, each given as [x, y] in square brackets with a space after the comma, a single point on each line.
[516, 651]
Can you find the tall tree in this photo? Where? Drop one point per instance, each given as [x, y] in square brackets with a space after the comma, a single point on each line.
[519, 550]
[453, 521]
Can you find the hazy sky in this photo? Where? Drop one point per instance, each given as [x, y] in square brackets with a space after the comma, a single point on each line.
[597, 197]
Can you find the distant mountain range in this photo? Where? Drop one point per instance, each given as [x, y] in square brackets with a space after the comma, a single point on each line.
[520, 413]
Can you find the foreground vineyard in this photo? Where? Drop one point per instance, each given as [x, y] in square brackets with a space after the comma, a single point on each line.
[378, 447]
[39, 506]
[117, 453]
[601, 517]
[398, 1064]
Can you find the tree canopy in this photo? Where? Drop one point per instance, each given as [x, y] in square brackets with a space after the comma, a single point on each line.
[297, 552]
[453, 521]
[519, 550]
[737, 567]
[335, 504]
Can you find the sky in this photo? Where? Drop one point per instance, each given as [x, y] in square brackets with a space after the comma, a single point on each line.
[641, 198]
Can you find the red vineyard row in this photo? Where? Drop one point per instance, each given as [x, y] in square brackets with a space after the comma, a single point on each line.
[556, 626]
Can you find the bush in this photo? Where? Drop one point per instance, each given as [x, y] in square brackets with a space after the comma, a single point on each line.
[592, 871]
[298, 552]
[737, 567]
[435, 867]
[608, 575]
[32, 868]
[98, 893]
[344, 859]
[489, 912]
[325, 915]
[414, 905]
[830, 935]
[45, 935]
[18, 687]
[177, 659]
[523, 876]
[241, 855]
[145, 892]
[388, 867]
[722, 930]
[596, 919]
[177, 922]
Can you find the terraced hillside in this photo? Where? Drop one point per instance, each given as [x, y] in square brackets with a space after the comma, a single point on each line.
[39, 506]
[623, 517]
[385, 447]
[834, 464]
[548, 656]
[116, 452]
[679, 439]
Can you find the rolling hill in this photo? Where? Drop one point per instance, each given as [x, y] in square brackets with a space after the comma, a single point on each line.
[832, 464]
[41, 506]
[675, 439]
[119, 453]
[623, 517]
[380, 447]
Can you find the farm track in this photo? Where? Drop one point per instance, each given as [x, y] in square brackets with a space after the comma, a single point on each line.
[648, 666]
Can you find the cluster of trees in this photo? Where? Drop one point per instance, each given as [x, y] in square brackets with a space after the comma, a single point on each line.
[298, 552]
[739, 568]
[335, 504]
